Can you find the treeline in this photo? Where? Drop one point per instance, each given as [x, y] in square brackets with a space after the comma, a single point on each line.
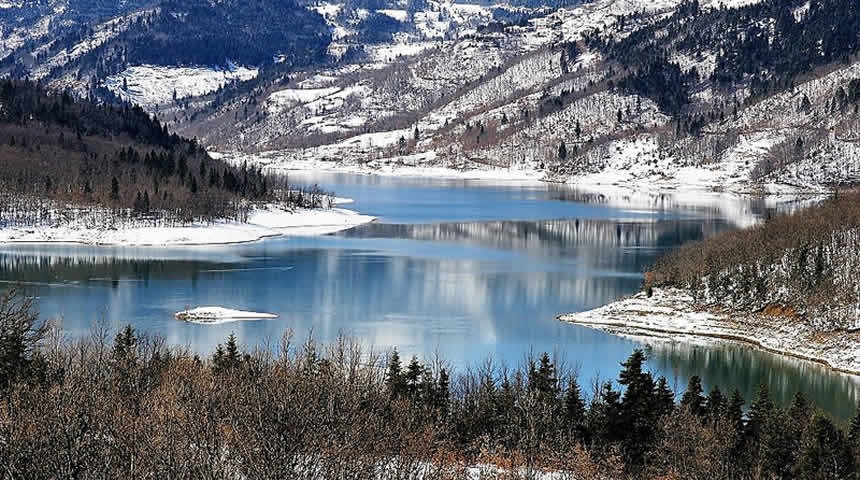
[133, 408]
[806, 262]
[57, 151]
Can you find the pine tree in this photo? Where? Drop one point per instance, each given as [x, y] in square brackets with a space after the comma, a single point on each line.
[543, 380]
[777, 445]
[394, 377]
[824, 452]
[664, 396]
[760, 410]
[800, 410]
[413, 376]
[562, 152]
[640, 409]
[443, 391]
[605, 422]
[854, 429]
[716, 403]
[574, 408]
[125, 342]
[692, 398]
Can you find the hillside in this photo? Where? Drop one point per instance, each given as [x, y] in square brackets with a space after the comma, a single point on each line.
[77, 44]
[663, 94]
[789, 285]
[803, 265]
[743, 96]
[58, 150]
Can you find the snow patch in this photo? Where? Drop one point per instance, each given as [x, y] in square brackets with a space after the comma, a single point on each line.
[152, 85]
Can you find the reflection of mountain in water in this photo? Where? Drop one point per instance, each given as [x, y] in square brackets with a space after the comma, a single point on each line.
[556, 238]
[731, 365]
[71, 268]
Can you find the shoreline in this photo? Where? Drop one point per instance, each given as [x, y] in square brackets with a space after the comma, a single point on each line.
[607, 180]
[671, 312]
[263, 223]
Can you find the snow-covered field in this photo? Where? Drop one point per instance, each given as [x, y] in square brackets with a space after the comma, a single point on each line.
[152, 85]
[271, 221]
[671, 312]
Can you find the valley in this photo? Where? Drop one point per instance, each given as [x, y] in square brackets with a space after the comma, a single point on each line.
[414, 239]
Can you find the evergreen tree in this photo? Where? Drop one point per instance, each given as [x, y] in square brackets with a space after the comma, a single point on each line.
[443, 391]
[665, 397]
[640, 410]
[412, 377]
[574, 408]
[605, 423]
[227, 357]
[543, 380]
[854, 430]
[800, 411]
[394, 376]
[824, 452]
[125, 343]
[692, 398]
[562, 152]
[777, 445]
[760, 410]
[716, 403]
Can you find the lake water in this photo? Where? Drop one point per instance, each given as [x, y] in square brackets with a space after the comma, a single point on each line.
[469, 270]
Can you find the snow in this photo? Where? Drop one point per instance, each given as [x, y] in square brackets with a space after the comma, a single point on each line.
[101, 34]
[399, 15]
[263, 222]
[152, 85]
[673, 312]
[294, 95]
[219, 315]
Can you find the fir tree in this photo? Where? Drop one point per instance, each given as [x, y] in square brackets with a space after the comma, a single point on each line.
[394, 380]
[716, 403]
[692, 398]
[412, 377]
[574, 408]
[125, 342]
[664, 397]
[562, 152]
[639, 408]
[824, 452]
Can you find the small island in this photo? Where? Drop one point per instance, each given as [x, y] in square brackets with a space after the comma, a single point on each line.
[212, 315]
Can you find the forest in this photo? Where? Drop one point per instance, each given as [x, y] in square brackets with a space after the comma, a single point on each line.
[765, 46]
[805, 262]
[124, 405]
[58, 152]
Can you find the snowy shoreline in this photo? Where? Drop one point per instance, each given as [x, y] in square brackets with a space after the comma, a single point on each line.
[609, 180]
[671, 313]
[263, 222]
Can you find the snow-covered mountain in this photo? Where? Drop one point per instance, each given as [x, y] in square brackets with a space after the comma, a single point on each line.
[740, 95]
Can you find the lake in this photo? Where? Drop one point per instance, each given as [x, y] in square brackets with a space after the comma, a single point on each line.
[466, 269]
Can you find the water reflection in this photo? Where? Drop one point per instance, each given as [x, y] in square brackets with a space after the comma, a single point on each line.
[445, 270]
[732, 365]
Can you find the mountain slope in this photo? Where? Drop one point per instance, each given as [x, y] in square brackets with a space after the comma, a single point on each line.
[663, 94]
[60, 154]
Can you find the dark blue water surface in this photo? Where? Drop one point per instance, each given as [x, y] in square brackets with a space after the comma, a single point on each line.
[469, 270]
